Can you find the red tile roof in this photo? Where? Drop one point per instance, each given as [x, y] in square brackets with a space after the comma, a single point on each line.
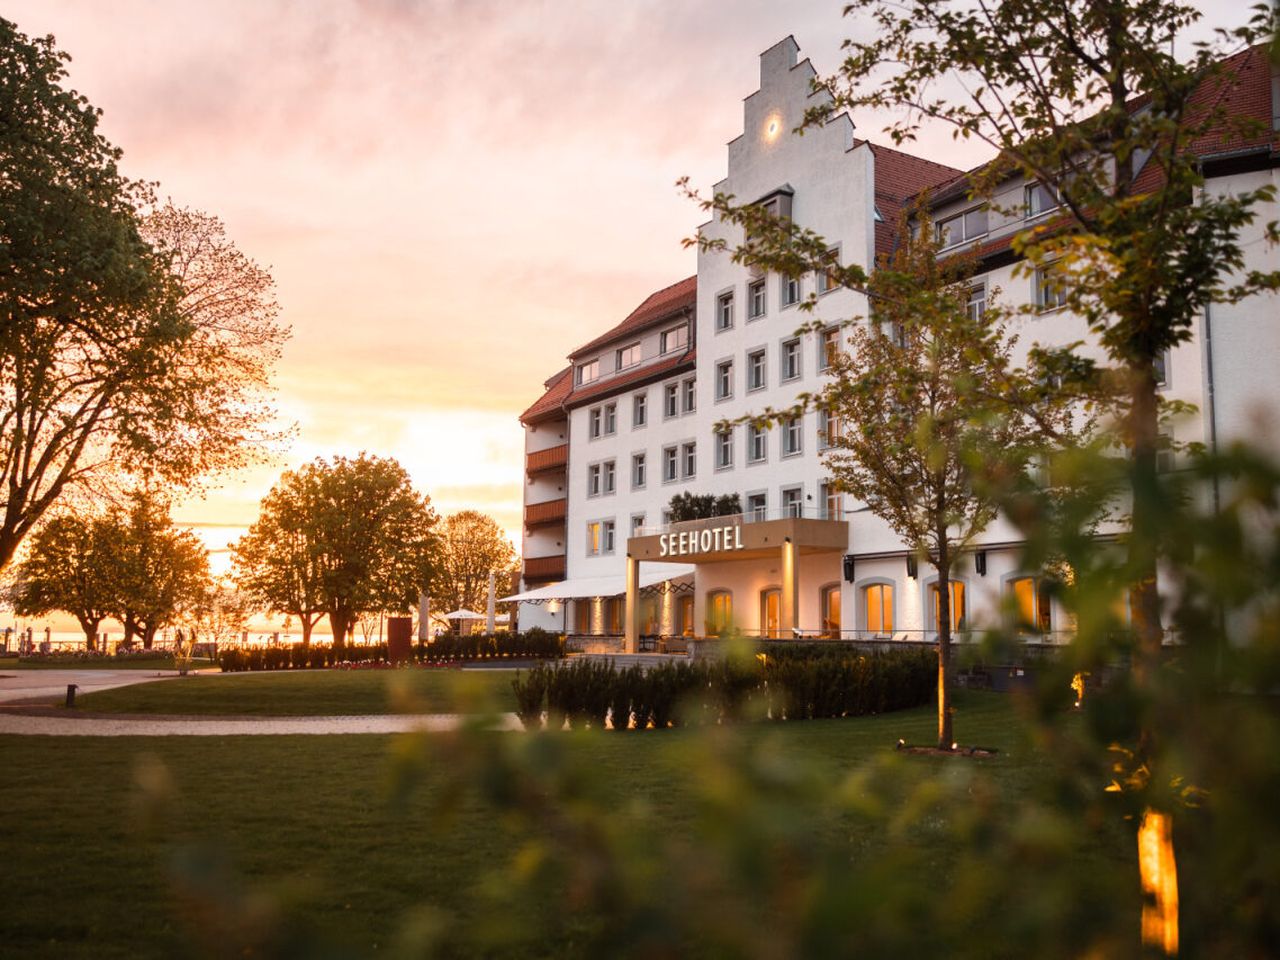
[900, 176]
[551, 404]
[656, 307]
[599, 389]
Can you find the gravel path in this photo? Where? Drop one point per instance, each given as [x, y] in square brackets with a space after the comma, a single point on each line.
[35, 723]
[51, 685]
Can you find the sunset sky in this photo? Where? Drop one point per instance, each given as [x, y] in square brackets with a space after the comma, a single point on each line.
[450, 194]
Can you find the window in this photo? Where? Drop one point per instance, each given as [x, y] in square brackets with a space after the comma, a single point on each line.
[829, 607]
[793, 502]
[595, 422]
[826, 279]
[610, 419]
[877, 608]
[828, 347]
[610, 475]
[613, 616]
[757, 506]
[588, 371]
[956, 593]
[962, 227]
[770, 612]
[790, 291]
[690, 458]
[757, 444]
[1041, 198]
[608, 534]
[684, 616]
[724, 379]
[830, 429]
[594, 538]
[1161, 370]
[628, 356]
[1051, 288]
[719, 612]
[677, 338]
[670, 464]
[637, 524]
[832, 502]
[671, 400]
[791, 359]
[639, 471]
[581, 616]
[690, 395]
[1032, 599]
[724, 311]
[755, 370]
[977, 305]
[793, 437]
[639, 409]
[593, 480]
[755, 299]
[1166, 459]
[724, 449]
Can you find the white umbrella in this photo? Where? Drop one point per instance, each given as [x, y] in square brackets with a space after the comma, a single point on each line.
[464, 615]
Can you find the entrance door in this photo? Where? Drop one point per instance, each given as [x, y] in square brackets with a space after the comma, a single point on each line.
[770, 613]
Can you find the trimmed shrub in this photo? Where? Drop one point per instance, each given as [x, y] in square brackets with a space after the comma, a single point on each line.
[531, 694]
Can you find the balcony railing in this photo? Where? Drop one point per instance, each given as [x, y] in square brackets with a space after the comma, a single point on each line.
[552, 458]
[550, 511]
[544, 568]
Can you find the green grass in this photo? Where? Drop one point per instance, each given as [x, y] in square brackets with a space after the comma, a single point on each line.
[310, 819]
[159, 662]
[295, 693]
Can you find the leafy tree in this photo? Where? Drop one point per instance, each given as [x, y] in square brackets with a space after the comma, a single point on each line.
[67, 569]
[343, 536]
[691, 506]
[221, 613]
[118, 345]
[471, 546]
[159, 573]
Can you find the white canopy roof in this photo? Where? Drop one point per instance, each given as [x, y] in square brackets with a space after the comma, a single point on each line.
[463, 615]
[607, 586]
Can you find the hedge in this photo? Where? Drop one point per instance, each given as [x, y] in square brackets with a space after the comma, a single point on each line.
[532, 645]
[791, 685]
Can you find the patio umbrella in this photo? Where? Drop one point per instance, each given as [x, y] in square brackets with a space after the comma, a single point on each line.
[463, 615]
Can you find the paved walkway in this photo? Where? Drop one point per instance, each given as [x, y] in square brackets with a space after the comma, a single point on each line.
[51, 685]
[41, 724]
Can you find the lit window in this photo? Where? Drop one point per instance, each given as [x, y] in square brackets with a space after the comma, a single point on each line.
[588, 371]
[724, 311]
[677, 338]
[1034, 605]
[719, 612]
[770, 612]
[829, 604]
[628, 356]
[755, 300]
[690, 395]
[724, 449]
[792, 437]
[639, 470]
[962, 227]
[756, 370]
[690, 459]
[594, 530]
[828, 347]
[956, 593]
[639, 409]
[671, 400]
[877, 607]
[724, 379]
[793, 502]
[1041, 198]
[830, 429]
[757, 444]
[670, 464]
[791, 360]
[790, 291]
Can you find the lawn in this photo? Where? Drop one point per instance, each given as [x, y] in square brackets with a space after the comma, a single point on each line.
[310, 822]
[295, 693]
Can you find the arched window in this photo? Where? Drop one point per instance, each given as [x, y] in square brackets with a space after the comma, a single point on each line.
[877, 606]
[1034, 605]
[956, 592]
[684, 615]
[770, 613]
[719, 612]
[829, 605]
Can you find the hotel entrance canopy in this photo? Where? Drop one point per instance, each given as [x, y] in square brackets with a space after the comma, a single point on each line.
[583, 588]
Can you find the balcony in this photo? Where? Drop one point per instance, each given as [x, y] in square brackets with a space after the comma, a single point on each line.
[543, 568]
[550, 511]
[552, 458]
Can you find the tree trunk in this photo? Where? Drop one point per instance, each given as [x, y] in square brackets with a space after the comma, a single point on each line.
[130, 631]
[307, 627]
[90, 628]
[340, 623]
[148, 636]
[945, 738]
[1144, 595]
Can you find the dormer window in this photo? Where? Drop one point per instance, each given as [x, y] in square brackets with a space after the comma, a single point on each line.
[677, 338]
[628, 356]
[962, 227]
[1041, 198]
[587, 372]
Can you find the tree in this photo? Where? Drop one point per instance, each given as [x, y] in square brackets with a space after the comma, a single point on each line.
[159, 573]
[125, 343]
[689, 506]
[346, 537]
[67, 569]
[221, 613]
[471, 546]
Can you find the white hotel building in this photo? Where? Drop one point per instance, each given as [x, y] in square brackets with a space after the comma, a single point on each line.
[630, 421]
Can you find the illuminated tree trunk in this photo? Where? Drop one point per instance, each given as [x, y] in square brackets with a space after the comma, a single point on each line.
[945, 738]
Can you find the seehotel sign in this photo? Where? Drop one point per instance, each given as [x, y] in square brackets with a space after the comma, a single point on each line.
[707, 540]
